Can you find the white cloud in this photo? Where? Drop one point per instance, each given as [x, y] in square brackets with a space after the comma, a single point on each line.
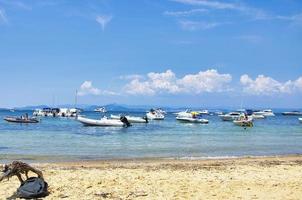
[3, 18]
[167, 82]
[264, 85]
[103, 20]
[206, 81]
[87, 89]
[196, 25]
[185, 13]
[131, 76]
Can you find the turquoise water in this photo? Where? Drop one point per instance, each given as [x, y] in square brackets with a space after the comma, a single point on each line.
[61, 138]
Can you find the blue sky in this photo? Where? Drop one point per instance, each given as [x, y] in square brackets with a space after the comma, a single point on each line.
[161, 52]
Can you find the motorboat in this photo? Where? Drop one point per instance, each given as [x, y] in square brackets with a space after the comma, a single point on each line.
[265, 113]
[258, 116]
[155, 115]
[192, 120]
[204, 112]
[244, 122]
[131, 119]
[230, 116]
[23, 120]
[186, 113]
[46, 112]
[300, 119]
[66, 112]
[104, 122]
[160, 110]
[296, 113]
[101, 110]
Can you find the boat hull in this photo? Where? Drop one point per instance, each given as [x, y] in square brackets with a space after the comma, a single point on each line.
[22, 121]
[243, 123]
[192, 120]
[101, 122]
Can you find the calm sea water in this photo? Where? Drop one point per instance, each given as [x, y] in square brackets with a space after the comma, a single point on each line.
[63, 139]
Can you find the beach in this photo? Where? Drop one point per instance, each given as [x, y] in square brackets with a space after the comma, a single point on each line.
[236, 178]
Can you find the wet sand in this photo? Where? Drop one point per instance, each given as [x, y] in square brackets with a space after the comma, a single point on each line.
[241, 178]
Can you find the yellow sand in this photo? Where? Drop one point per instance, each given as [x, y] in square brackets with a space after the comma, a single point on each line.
[248, 178]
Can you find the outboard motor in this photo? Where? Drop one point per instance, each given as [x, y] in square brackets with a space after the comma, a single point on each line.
[125, 121]
[146, 118]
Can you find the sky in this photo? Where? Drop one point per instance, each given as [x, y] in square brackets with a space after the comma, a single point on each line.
[201, 53]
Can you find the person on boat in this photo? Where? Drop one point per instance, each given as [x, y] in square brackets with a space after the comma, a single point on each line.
[245, 116]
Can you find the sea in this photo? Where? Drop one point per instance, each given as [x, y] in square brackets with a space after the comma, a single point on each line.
[65, 139]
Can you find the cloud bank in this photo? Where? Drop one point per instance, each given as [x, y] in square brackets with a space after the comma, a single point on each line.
[167, 82]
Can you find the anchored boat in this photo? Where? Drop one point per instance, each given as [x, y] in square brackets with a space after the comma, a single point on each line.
[21, 120]
[192, 120]
[123, 122]
[300, 120]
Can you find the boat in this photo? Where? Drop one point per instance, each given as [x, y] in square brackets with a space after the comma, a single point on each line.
[192, 120]
[104, 122]
[23, 120]
[244, 122]
[300, 119]
[258, 116]
[155, 115]
[66, 112]
[230, 116]
[265, 113]
[204, 112]
[292, 113]
[131, 119]
[101, 109]
[186, 113]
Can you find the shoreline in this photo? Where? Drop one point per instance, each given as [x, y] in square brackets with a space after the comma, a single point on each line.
[47, 159]
[275, 177]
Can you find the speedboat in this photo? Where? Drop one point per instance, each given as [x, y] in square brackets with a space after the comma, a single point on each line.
[265, 113]
[101, 109]
[22, 120]
[154, 115]
[186, 113]
[257, 116]
[244, 122]
[203, 112]
[131, 119]
[230, 116]
[300, 119]
[123, 122]
[292, 113]
[192, 120]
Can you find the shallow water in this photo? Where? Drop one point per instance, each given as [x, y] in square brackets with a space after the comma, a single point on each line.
[63, 139]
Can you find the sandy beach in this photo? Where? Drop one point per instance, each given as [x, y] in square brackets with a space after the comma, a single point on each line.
[244, 178]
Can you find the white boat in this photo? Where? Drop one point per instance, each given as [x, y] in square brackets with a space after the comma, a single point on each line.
[230, 116]
[266, 113]
[131, 119]
[192, 120]
[102, 122]
[244, 122]
[203, 112]
[257, 116]
[154, 115]
[101, 109]
[186, 113]
[296, 113]
[300, 119]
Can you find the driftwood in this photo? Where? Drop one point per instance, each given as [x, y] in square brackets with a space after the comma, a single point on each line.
[18, 168]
